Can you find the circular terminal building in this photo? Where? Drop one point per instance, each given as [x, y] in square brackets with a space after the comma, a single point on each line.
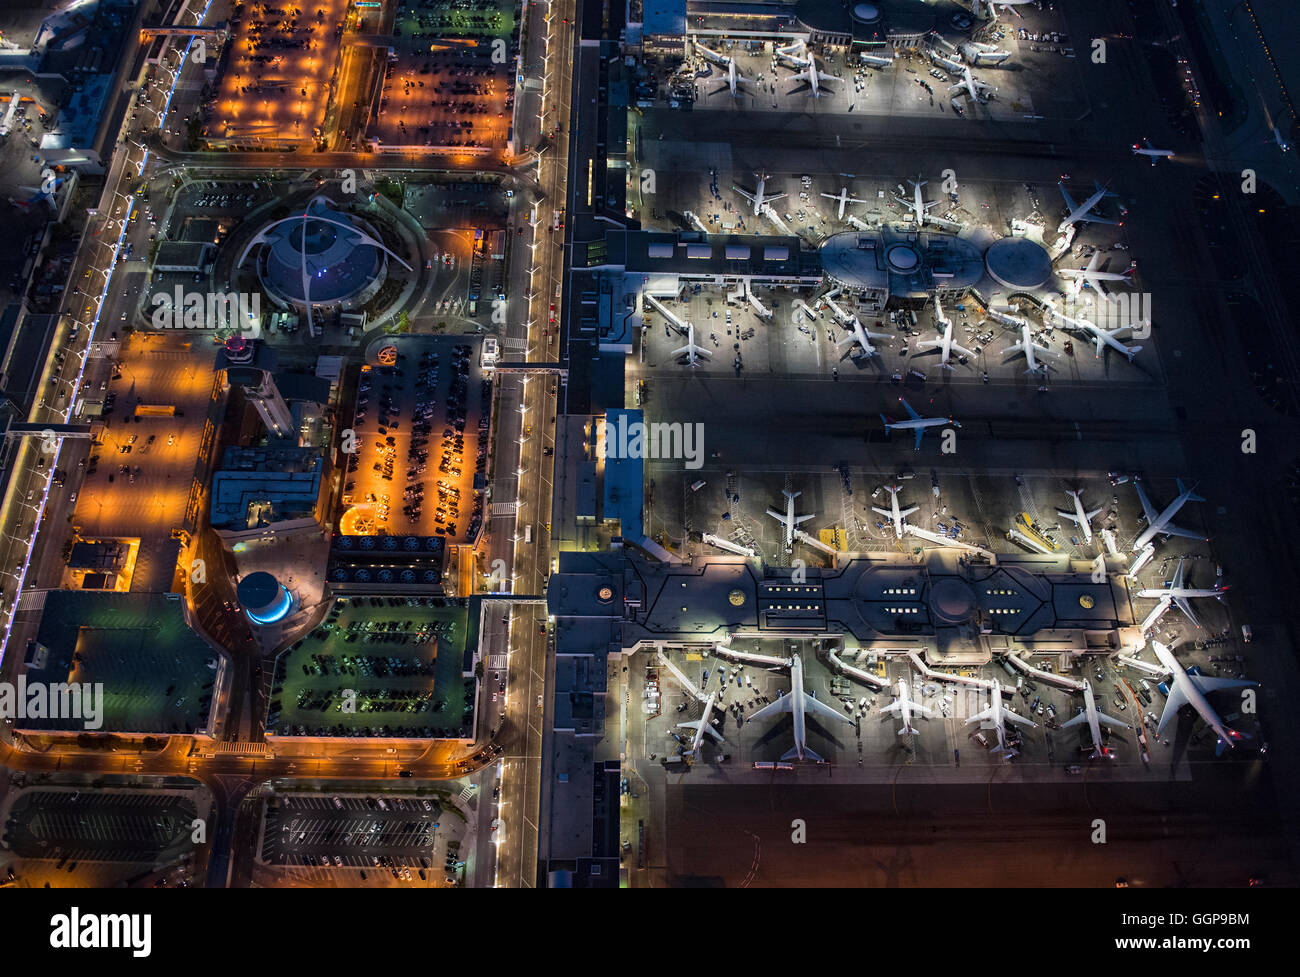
[323, 255]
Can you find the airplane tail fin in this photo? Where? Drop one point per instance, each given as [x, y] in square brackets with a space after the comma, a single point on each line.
[793, 754]
[1222, 744]
[1133, 351]
[1192, 496]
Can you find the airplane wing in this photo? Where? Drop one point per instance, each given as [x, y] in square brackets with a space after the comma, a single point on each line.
[980, 716]
[1073, 517]
[799, 519]
[963, 350]
[926, 344]
[1095, 219]
[1147, 507]
[1016, 718]
[1177, 582]
[1069, 201]
[887, 513]
[1175, 701]
[708, 728]
[919, 432]
[1207, 684]
[1077, 720]
[1111, 721]
[893, 707]
[778, 516]
[820, 709]
[1172, 530]
[782, 704]
[910, 412]
[921, 710]
[1185, 605]
[908, 511]
[1093, 514]
[1018, 348]
[744, 193]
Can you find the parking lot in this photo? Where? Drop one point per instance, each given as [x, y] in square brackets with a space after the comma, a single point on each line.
[276, 84]
[391, 670]
[421, 427]
[69, 824]
[449, 82]
[366, 839]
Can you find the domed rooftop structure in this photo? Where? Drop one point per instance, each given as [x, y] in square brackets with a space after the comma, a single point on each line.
[952, 601]
[321, 256]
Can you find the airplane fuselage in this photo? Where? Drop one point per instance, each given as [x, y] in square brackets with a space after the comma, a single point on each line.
[1160, 521]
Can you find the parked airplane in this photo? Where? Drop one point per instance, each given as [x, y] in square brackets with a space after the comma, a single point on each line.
[945, 343]
[1094, 718]
[992, 7]
[894, 514]
[1146, 149]
[1100, 337]
[1083, 211]
[714, 56]
[703, 725]
[999, 714]
[916, 423]
[1180, 594]
[1028, 346]
[906, 708]
[918, 205]
[732, 81]
[758, 197]
[691, 351]
[1093, 278]
[1187, 689]
[844, 197]
[798, 703]
[979, 90]
[815, 79]
[861, 336]
[1080, 516]
[36, 195]
[788, 520]
[1160, 524]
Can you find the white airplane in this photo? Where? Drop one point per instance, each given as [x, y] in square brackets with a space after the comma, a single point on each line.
[813, 77]
[1186, 689]
[788, 520]
[844, 197]
[1028, 346]
[1083, 211]
[999, 714]
[1146, 149]
[1278, 138]
[799, 703]
[918, 205]
[1160, 524]
[916, 423]
[732, 82]
[906, 708]
[1100, 337]
[758, 197]
[944, 343]
[1080, 516]
[703, 725]
[894, 514]
[1093, 278]
[1094, 718]
[861, 336]
[1180, 594]
[978, 90]
[691, 350]
[795, 52]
